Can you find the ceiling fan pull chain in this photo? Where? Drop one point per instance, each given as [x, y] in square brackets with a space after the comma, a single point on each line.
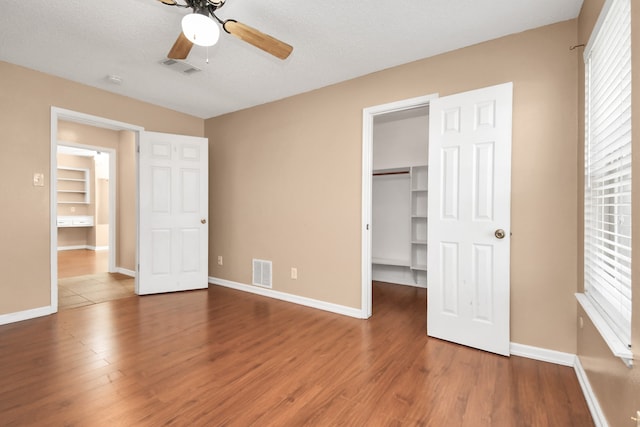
[207, 54]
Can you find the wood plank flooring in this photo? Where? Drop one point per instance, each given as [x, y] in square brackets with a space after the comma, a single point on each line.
[220, 357]
[82, 262]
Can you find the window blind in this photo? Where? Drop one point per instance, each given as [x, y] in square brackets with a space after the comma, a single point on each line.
[607, 202]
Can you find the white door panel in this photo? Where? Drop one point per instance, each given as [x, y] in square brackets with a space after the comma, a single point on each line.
[469, 199]
[173, 213]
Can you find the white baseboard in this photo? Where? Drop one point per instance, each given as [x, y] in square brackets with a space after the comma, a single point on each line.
[72, 248]
[25, 315]
[542, 354]
[592, 401]
[308, 302]
[88, 247]
[126, 272]
[565, 359]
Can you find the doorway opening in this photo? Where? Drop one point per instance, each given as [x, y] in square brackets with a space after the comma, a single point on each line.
[394, 200]
[93, 209]
[86, 188]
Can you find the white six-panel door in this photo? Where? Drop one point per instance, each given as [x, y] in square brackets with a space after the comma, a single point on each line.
[173, 213]
[469, 218]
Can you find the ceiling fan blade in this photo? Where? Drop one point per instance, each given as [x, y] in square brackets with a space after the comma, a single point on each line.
[169, 2]
[259, 39]
[181, 48]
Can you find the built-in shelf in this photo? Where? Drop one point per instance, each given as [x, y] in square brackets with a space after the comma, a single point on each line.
[419, 178]
[419, 199]
[393, 262]
[399, 206]
[73, 185]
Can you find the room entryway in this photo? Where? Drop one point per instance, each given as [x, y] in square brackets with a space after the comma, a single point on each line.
[462, 215]
[93, 209]
[144, 247]
[85, 189]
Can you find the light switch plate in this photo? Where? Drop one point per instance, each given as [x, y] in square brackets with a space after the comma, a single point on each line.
[38, 179]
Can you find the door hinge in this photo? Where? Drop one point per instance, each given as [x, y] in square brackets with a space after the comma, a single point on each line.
[367, 226]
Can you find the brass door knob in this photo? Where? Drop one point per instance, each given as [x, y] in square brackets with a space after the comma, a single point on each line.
[499, 233]
[203, 221]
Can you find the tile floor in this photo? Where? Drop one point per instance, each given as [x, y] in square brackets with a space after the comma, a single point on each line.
[91, 289]
[83, 279]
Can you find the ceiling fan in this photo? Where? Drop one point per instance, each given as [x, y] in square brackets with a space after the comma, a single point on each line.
[200, 28]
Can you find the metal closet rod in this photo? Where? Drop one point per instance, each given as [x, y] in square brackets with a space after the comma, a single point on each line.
[390, 173]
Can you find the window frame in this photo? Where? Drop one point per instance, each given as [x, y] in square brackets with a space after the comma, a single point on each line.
[607, 260]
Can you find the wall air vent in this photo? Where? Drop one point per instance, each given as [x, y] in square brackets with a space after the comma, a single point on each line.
[262, 273]
[180, 66]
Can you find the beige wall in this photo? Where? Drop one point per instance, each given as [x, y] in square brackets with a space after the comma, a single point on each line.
[285, 178]
[26, 98]
[126, 201]
[616, 386]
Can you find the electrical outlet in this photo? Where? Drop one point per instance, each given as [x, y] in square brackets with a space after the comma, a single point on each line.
[219, 259]
[294, 273]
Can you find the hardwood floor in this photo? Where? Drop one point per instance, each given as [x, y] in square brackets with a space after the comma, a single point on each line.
[82, 262]
[220, 357]
[83, 279]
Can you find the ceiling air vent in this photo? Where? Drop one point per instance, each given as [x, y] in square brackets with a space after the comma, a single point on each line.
[262, 273]
[180, 66]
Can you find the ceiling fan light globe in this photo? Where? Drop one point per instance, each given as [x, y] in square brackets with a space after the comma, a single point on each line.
[200, 29]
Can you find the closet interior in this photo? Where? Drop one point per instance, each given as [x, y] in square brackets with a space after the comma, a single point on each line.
[399, 197]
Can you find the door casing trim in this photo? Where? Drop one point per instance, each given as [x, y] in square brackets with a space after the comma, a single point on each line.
[368, 115]
[86, 119]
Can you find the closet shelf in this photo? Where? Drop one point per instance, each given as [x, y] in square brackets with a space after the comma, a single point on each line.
[419, 202]
[392, 171]
[388, 261]
[400, 222]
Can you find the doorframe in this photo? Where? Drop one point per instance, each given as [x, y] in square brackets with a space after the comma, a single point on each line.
[368, 115]
[95, 121]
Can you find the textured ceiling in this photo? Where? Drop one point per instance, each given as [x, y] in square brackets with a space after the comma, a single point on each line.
[333, 40]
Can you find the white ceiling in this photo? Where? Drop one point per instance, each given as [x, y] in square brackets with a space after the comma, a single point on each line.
[333, 40]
